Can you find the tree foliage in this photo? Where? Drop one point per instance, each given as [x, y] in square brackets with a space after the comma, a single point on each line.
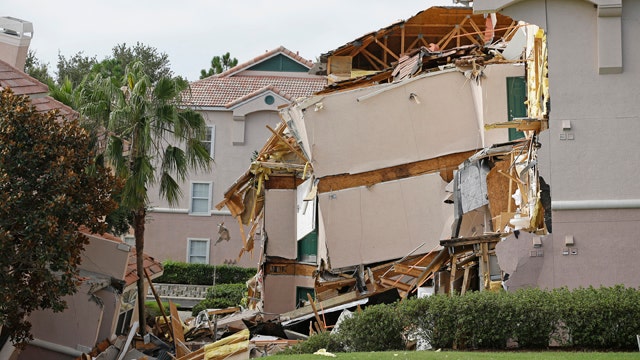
[219, 64]
[153, 140]
[49, 186]
[75, 68]
[80, 67]
[36, 69]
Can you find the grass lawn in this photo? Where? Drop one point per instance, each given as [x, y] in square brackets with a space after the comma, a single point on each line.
[459, 355]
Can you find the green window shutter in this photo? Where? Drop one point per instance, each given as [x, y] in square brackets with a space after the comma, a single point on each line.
[301, 295]
[279, 63]
[516, 96]
[308, 247]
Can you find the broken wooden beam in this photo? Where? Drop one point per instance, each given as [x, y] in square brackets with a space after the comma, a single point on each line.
[368, 178]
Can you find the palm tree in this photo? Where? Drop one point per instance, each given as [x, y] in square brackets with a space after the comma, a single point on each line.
[151, 139]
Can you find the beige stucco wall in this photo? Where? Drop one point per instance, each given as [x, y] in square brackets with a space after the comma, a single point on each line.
[168, 228]
[167, 234]
[280, 223]
[371, 128]
[77, 325]
[593, 177]
[369, 224]
[280, 292]
[105, 257]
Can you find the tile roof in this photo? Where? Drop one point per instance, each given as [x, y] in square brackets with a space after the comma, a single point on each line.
[232, 86]
[220, 92]
[23, 84]
[153, 267]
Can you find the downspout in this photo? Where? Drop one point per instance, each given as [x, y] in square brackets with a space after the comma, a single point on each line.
[55, 347]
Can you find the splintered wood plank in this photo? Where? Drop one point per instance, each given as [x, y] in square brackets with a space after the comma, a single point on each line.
[340, 182]
[178, 331]
[335, 284]
[410, 270]
[396, 284]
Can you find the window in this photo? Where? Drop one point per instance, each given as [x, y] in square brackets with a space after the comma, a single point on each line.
[198, 251]
[130, 240]
[209, 140]
[200, 198]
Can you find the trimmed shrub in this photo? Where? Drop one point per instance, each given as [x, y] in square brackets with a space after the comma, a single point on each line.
[221, 296]
[202, 274]
[324, 340]
[376, 328]
[604, 318]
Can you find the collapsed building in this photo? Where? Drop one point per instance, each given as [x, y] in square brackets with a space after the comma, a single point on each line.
[404, 173]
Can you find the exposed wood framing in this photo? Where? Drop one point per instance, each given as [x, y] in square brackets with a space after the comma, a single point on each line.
[288, 268]
[442, 163]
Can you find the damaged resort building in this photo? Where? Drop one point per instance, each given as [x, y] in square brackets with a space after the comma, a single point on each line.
[467, 148]
[433, 163]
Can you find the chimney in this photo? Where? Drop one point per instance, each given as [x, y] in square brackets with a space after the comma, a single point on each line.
[15, 37]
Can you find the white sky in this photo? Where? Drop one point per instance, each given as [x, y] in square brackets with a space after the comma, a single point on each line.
[191, 32]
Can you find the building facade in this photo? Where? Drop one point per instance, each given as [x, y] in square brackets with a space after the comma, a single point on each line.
[239, 106]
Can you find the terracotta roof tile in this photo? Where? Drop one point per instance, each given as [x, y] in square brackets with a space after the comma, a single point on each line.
[19, 82]
[152, 266]
[23, 84]
[233, 86]
[217, 91]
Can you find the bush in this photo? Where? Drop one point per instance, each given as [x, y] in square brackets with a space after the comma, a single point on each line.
[377, 328]
[202, 274]
[604, 318]
[324, 340]
[221, 296]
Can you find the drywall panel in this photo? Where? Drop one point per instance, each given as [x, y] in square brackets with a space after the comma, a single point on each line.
[280, 223]
[384, 221]
[380, 126]
[305, 210]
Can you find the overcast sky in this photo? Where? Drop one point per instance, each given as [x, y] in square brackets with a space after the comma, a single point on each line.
[191, 32]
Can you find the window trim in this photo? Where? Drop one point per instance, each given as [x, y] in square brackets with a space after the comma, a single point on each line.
[209, 196]
[189, 240]
[212, 141]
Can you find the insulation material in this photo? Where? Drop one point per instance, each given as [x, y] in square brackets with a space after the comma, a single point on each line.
[384, 221]
[280, 223]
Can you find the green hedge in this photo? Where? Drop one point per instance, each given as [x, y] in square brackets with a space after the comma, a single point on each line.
[202, 274]
[221, 296]
[606, 318]
[598, 319]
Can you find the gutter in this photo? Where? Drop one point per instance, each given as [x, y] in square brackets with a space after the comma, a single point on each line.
[595, 204]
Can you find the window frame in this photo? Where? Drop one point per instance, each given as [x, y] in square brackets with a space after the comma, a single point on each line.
[191, 198]
[211, 141]
[208, 249]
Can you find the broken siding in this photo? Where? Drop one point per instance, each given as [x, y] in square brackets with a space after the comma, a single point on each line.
[370, 224]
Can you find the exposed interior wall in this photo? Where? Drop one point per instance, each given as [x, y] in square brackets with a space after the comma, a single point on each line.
[280, 223]
[384, 221]
[280, 292]
[346, 134]
[494, 99]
